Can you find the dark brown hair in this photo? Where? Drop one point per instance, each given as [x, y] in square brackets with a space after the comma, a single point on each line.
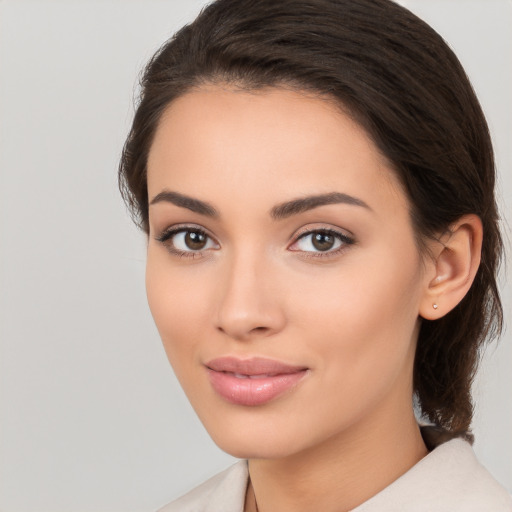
[398, 78]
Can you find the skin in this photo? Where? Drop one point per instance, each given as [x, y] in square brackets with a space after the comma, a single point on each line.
[351, 316]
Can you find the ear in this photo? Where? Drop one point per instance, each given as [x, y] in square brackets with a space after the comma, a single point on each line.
[450, 274]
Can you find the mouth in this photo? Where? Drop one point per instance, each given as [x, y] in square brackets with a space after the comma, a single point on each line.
[254, 381]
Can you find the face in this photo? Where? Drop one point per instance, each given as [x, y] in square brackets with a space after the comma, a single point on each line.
[282, 270]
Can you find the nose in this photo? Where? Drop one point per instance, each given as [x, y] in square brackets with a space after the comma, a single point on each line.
[249, 304]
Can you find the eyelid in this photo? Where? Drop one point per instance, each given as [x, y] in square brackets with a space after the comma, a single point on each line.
[347, 239]
[177, 228]
[165, 236]
[314, 227]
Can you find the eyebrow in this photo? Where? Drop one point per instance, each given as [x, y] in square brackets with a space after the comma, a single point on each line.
[278, 212]
[195, 205]
[296, 206]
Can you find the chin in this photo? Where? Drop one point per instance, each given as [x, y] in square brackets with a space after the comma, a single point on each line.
[253, 448]
[264, 437]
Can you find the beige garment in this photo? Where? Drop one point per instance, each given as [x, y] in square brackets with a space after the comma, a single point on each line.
[448, 479]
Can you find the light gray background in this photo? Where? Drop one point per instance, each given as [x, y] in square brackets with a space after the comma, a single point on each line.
[92, 418]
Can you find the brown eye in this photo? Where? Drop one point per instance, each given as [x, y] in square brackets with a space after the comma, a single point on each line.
[187, 241]
[323, 241]
[195, 240]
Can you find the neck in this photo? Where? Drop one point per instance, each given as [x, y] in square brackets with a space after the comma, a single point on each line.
[343, 472]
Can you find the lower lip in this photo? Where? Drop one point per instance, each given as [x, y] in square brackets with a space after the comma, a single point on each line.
[253, 391]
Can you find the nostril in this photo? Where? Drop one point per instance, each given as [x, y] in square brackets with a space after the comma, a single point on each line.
[260, 329]
[254, 331]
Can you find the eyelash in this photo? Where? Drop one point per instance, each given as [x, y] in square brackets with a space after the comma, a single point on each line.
[166, 237]
[343, 238]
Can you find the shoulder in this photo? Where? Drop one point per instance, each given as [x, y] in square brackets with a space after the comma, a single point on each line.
[224, 492]
[448, 479]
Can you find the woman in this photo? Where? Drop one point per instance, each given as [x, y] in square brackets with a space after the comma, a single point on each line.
[316, 180]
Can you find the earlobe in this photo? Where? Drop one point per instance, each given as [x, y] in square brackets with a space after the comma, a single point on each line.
[455, 263]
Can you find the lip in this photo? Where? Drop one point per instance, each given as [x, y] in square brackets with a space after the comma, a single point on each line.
[253, 381]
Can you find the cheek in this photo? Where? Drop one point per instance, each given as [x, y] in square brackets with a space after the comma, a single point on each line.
[178, 306]
[362, 317]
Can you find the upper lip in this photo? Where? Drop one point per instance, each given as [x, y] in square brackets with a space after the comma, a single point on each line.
[252, 366]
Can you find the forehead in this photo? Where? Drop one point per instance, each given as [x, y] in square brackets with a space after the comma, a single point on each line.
[269, 143]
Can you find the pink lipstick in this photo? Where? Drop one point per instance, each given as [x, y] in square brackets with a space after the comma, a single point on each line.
[253, 381]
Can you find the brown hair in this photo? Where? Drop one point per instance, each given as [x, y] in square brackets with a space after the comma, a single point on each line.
[400, 80]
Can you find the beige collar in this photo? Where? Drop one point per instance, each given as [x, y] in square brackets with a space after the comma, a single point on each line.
[448, 479]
